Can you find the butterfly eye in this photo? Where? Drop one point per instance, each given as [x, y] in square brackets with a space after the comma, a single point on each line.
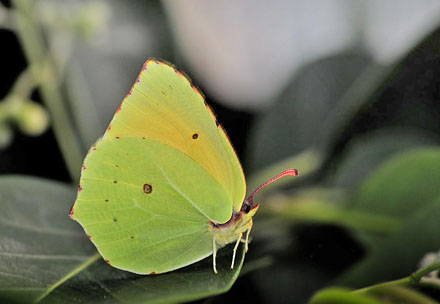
[246, 207]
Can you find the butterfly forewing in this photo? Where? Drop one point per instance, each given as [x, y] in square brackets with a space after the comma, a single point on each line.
[163, 105]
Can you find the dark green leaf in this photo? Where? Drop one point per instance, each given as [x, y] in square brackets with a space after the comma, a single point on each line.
[342, 296]
[366, 153]
[403, 186]
[295, 121]
[39, 244]
[399, 294]
[324, 206]
[400, 254]
[46, 256]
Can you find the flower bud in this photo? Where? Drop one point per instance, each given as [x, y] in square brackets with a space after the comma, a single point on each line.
[32, 119]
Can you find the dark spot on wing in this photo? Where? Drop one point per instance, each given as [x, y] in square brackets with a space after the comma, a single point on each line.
[115, 182]
[195, 136]
[147, 188]
[115, 220]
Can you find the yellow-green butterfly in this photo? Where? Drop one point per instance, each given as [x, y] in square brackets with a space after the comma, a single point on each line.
[163, 188]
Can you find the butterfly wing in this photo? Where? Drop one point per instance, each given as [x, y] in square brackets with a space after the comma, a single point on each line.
[165, 106]
[147, 206]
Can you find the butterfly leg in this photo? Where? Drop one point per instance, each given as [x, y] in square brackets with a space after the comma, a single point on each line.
[247, 235]
[214, 254]
[235, 249]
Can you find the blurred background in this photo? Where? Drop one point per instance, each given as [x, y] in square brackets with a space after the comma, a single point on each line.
[346, 92]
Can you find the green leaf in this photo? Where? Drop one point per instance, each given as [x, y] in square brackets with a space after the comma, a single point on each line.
[403, 186]
[327, 207]
[377, 295]
[306, 162]
[366, 153]
[336, 295]
[400, 254]
[46, 257]
[103, 284]
[38, 243]
[399, 190]
[295, 122]
[398, 294]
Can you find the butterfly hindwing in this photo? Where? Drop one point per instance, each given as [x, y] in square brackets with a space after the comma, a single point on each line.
[143, 205]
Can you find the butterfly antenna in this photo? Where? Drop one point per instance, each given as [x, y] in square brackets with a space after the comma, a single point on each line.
[291, 172]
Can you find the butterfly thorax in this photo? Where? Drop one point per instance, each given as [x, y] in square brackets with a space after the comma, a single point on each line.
[239, 223]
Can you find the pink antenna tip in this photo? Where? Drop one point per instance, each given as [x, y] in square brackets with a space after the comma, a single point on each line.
[291, 172]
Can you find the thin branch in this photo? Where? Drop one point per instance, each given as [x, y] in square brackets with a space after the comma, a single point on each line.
[42, 68]
[415, 279]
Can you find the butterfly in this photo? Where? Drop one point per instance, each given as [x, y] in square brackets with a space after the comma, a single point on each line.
[163, 188]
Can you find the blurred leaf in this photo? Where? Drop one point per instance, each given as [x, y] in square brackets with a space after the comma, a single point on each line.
[406, 184]
[402, 96]
[39, 244]
[103, 70]
[305, 162]
[84, 109]
[336, 295]
[288, 281]
[325, 206]
[400, 294]
[366, 153]
[45, 255]
[400, 254]
[400, 189]
[295, 122]
[378, 295]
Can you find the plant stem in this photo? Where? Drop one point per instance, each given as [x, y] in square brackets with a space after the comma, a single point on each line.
[416, 278]
[324, 206]
[42, 68]
[24, 84]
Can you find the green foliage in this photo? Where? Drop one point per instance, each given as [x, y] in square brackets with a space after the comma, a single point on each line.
[296, 121]
[363, 213]
[342, 296]
[46, 258]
